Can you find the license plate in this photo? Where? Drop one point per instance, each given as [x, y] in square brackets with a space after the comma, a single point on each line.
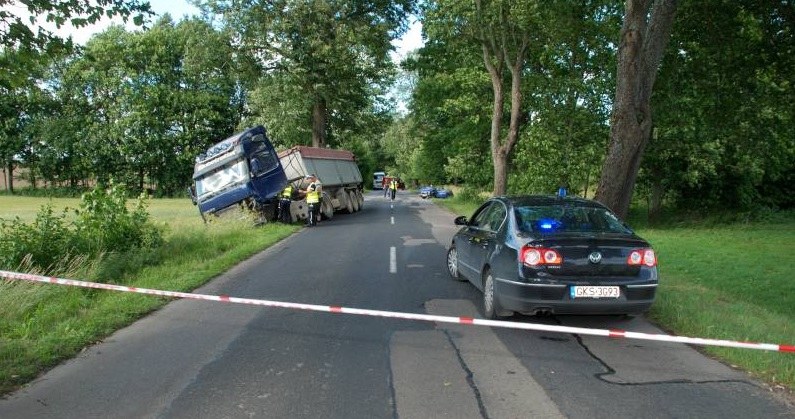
[595, 292]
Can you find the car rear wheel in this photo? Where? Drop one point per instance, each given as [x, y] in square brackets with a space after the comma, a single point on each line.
[452, 264]
[491, 306]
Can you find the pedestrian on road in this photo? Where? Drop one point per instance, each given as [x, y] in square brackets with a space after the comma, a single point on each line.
[314, 194]
[393, 184]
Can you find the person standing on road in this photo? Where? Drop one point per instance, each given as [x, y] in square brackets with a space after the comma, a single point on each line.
[314, 195]
[285, 200]
[393, 184]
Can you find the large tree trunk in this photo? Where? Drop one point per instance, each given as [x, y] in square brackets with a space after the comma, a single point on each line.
[319, 116]
[498, 161]
[644, 34]
[8, 172]
[500, 150]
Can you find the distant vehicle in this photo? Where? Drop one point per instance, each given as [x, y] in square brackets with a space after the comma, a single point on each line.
[553, 255]
[442, 193]
[378, 180]
[427, 192]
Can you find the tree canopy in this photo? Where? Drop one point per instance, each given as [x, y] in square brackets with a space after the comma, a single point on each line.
[680, 105]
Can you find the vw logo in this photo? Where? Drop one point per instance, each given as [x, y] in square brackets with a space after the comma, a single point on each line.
[595, 257]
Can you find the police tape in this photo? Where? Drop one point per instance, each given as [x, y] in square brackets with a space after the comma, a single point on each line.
[613, 333]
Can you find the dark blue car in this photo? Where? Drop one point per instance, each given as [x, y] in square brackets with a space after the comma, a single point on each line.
[442, 193]
[427, 192]
[553, 255]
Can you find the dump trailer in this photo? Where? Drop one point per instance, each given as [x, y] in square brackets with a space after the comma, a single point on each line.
[336, 170]
[239, 174]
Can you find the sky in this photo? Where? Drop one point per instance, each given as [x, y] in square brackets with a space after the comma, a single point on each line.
[180, 8]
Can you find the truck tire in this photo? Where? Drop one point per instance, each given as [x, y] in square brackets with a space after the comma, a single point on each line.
[354, 200]
[346, 201]
[361, 198]
[326, 207]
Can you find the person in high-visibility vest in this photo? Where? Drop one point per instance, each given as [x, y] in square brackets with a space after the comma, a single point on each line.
[393, 185]
[313, 204]
[285, 199]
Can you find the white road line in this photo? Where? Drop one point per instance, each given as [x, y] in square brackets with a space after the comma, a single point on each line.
[392, 260]
[393, 220]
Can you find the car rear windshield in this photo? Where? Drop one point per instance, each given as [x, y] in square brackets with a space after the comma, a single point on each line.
[567, 219]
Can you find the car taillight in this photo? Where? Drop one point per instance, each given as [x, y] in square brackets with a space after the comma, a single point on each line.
[537, 256]
[642, 257]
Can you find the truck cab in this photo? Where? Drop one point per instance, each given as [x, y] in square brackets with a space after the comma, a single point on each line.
[240, 172]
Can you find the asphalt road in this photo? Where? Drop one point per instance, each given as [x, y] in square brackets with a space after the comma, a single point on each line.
[196, 359]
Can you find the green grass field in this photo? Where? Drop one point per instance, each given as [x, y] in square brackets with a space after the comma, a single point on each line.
[726, 282]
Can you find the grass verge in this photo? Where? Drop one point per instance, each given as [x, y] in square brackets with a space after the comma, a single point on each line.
[42, 325]
[723, 281]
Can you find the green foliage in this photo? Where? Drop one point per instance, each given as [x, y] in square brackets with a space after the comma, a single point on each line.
[725, 133]
[41, 244]
[137, 107]
[102, 225]
[322, 64]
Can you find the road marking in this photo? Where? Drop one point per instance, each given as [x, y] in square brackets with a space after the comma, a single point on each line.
[392, 260]
[393, 220]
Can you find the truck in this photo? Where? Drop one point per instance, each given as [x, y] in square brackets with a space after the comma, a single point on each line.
[245, 174]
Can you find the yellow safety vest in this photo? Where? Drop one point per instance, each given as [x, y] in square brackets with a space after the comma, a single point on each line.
[393, 185]
[312, 197]
[287, 192]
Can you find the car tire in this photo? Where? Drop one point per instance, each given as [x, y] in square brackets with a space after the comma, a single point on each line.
[452, 264]
[491, 306]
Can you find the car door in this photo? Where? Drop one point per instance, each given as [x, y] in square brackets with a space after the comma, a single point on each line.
[484, 239]
[464, 244]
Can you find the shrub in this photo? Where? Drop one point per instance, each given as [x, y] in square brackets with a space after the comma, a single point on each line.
[103, 225]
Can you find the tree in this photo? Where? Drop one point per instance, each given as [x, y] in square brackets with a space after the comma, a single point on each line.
[138, 107]
[16, 31]
[450, 117]
[506, 31]
[724, 133]
[644, 34]
[321, 61]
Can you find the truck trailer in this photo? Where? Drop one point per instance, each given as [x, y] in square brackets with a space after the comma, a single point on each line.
[243, 173]
[337, 172]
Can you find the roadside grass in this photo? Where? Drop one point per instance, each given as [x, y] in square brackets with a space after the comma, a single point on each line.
[730, 281]
[42, 325]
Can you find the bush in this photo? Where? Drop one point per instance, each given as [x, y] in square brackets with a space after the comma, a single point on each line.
[102, 225]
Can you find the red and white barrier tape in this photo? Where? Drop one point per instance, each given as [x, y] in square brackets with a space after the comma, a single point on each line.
[613, 333]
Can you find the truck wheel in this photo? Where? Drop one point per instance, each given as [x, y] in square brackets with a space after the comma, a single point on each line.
[348, 202]
[361, 198]
[326, 207]
[354, 201]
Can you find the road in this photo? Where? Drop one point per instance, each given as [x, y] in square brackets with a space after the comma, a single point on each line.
[200, 359]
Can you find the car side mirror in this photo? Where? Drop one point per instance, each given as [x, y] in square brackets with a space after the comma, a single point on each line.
[461, 220]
